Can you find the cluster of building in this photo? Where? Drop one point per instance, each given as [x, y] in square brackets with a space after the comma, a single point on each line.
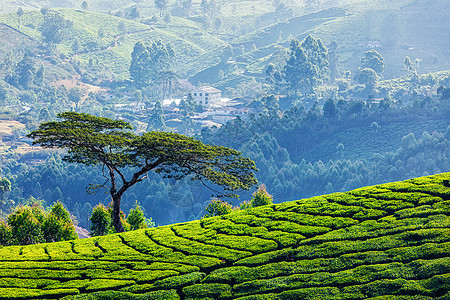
[216, 109]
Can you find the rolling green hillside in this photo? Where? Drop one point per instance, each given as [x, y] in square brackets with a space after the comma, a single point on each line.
[379, 242]
[363, 142]
[118, 36]
[358, 26]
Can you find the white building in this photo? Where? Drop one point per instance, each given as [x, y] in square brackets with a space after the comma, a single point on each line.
[207, 96]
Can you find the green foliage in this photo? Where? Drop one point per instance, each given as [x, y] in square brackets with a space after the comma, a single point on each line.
[5, 187]
[101, 221]
[373, 60]
[368, 77]
[149, 60]
[218, 207]
[5, 234]
[385, 241]
[24, 74]
[161, 5]
[57, 225]
[137, 220]
[32, 224]
[261, 197]
[212, 290]
[156, 120]
[94, 140]
[307, 64]
[55, 27]
[25, 223]
[118, 295]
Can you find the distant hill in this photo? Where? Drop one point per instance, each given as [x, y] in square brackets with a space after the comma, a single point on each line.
[363, 142]
[390, 241]
[396, 29]
[110, 39]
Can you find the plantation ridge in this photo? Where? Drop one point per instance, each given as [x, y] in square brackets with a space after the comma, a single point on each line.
[388, 241]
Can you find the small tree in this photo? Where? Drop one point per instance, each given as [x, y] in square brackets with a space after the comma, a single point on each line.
[136, 218]
[92, 140]
[25, 223]
[5, 234]
[218, 207]
[57, 225]
[75, 95]
[19, 14]
[187, 7]
[261, 197]
[330, 110]
[369, 78]
[156, 120]
[100, 221]
[373, 60]
[135, 13]
[55, 28]
[162, 6]
[5, 187]
[84, 5]
[306, 66]
[149, 60]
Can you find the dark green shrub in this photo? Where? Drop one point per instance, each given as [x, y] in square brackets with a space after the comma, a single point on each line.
[25, 223]
[261, 197]
[58, 226]
[218, 208]
[5, 234]
[100, 221]
[137, 220]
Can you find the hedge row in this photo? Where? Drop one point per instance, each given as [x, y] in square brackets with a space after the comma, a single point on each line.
[389, 241]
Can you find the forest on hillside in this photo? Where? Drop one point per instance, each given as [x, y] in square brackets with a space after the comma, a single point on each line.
[337, 94]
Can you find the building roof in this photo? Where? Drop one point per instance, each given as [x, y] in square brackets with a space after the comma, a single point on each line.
[208, 89]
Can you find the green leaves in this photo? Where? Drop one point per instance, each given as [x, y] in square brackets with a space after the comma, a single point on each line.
[32, 224]
[307, 64]
[149, 60]
[178, 155]
[92, 140]
[89, 139]
[100, 221]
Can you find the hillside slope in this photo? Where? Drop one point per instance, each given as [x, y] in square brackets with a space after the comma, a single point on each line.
[359, 26]
[111, 39]
[384, 241]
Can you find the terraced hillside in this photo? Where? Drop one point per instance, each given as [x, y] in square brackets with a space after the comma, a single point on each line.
[118, 36]
[389, 241]
[359, 25]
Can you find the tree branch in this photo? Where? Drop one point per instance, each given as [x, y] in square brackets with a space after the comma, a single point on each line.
[137, 176]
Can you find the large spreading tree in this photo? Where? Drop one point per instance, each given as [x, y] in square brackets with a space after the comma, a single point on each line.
[92, 140]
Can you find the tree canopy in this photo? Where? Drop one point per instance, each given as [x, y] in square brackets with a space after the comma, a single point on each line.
[55, 27]
[92, 140]
[373, 60]
[307, 64]
[368, 77]
[149, 60]
[162, 6]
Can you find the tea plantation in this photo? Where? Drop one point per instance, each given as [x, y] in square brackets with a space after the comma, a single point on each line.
[389, 241]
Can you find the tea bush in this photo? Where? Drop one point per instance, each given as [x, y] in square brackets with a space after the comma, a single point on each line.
[390, 241]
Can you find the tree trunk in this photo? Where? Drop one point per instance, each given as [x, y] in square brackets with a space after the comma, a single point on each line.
[116, 197]
[118, 226]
